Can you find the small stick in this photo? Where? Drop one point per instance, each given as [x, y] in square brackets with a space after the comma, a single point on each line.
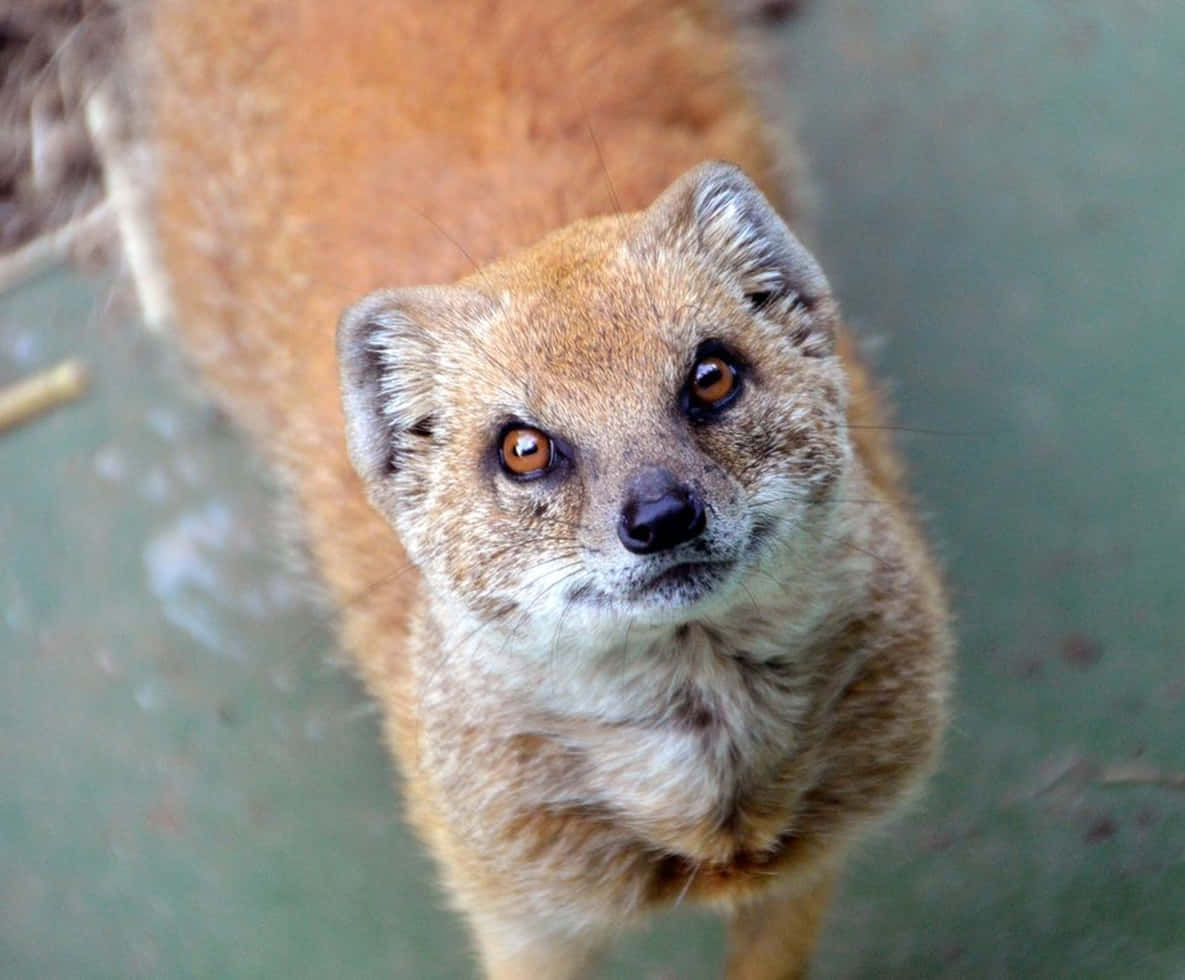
[40, 392]
[124, 173]
[52, 247]
[1141, 774]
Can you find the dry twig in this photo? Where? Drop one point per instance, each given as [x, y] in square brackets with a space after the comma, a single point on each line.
[39, 393]
[1141, 774]
[52, 247]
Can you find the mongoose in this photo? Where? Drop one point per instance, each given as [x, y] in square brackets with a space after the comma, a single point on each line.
[620, 542]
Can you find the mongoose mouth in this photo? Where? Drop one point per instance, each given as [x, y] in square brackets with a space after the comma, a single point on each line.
[684, 583]
[689, 581]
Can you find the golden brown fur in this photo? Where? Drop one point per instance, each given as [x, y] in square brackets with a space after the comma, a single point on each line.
[311, 152]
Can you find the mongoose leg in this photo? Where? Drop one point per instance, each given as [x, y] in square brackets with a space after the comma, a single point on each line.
[772, 938]
[508, 954]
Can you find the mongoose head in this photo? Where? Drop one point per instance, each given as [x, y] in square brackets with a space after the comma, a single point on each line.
[627, 421]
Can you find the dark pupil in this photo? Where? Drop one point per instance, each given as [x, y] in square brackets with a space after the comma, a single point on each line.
[708, 374]
[525, 446]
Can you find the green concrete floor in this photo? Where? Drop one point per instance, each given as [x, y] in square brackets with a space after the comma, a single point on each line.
[192, 782]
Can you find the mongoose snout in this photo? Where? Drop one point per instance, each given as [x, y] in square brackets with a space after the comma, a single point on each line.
[660, 512]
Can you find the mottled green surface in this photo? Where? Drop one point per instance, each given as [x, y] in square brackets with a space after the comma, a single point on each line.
[191, 785]
[1003, 202]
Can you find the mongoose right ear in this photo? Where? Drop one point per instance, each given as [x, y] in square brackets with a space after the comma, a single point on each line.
[717, 210]
[387, 350]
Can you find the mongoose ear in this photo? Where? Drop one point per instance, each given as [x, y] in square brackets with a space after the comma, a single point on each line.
[720, 212]
[387, 351]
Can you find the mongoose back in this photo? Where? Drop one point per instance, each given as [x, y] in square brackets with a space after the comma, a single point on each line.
[605, 497]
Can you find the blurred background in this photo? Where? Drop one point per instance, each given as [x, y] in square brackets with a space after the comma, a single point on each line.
[191, 781]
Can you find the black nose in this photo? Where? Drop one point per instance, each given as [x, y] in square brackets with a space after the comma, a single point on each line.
[659, 513]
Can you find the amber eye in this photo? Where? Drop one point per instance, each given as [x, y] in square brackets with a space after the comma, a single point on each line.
[525, 451]
[712, 381]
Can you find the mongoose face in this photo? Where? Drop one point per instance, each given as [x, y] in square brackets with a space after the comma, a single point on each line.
[628, 421]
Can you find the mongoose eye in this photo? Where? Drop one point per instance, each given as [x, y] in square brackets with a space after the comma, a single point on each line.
[525, 452]
[714, 382]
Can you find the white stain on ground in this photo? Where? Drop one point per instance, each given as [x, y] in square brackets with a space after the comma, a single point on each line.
[164, 423]
[204, 568]
[111, 464]
[22, 347]
[147, 697]
[183, 564]
[155, 486]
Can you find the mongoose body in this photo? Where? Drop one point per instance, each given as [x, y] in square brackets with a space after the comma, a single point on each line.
[611, 514]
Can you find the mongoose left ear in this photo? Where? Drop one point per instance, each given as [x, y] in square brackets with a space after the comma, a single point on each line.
[389, 363]
[719, 211]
